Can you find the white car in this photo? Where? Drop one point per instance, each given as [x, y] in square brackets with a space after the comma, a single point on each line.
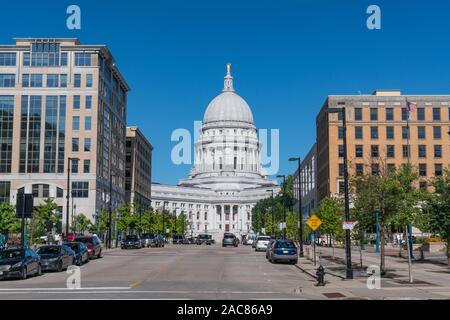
[250, 239]
[261, 243]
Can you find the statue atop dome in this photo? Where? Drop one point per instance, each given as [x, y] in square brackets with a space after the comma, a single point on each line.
[228, 80]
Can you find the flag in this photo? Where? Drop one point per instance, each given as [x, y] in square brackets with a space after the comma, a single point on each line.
[412, 107]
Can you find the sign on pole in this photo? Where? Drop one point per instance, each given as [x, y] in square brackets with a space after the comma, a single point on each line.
[348, 225]
[314, 222]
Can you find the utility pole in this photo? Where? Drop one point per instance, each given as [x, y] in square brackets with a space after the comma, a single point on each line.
[300, 206]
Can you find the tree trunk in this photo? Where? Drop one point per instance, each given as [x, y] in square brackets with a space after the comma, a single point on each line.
[448, 249]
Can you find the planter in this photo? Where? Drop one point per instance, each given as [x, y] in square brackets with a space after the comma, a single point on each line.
[434, 247]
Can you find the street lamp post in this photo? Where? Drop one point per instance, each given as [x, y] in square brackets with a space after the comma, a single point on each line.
[348, 245]
[273, 214]
[284, 204]
[69, 160]
[111, 175]
[300, 206]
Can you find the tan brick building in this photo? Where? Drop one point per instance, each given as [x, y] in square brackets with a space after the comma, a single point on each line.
[377, 135]
[61, 99]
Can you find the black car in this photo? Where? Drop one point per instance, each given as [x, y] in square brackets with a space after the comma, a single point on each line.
[131, 241]
[56, 258]
[81, 252]
[204, 239]
[19, 263]
[229, 239]
[179, 240]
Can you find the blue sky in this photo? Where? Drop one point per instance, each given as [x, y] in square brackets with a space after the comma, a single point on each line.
[287, 57]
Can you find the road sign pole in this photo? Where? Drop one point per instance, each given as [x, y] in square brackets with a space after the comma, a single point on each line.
[315, 240]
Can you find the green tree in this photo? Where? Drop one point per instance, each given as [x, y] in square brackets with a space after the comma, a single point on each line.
[181, 224]
[9, 223]
[44, 219]
[331, 212]
[439, 209]
[82, 223]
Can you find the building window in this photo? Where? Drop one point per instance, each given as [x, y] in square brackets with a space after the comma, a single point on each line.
[359, 169]
[423, 185]
[341, 187]
[421, 114]
[436, 114]
[25, 80]
[359, 151]
[63, 59]
[45, 191]
[375, 169]
[374, 133]
[406, 152]
[77, 80]
[88, 123]
[341, 170]
[7, 59]
[340, 133]
[358, 114]
[422, 151]
[389, 114]
[421, 133]
[80, 189]
[88, 104]
[405, 133]
[26, 59]
[375, 153]
[437, 133]
[87, 144]
[75, 144]
[89, 80]
[35, 190]
[45, 54]
[7, 80]
[390, 151]
[438, 151]
[83, 59]
[358, 133]
[36, 80]
[5, 190]
[74, 166]
[423, 169]
[391, 168]
[373, 114]
[438, 170]
[341, 151]
[390, 133]
[405, 114]
[6, 133]
[52, 80]
[59, 192]
[87, 166]
[76, 123]
[63, 80]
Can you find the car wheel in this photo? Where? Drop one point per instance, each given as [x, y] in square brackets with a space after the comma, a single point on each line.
[99, 256]
[60, 266]
[24, 273]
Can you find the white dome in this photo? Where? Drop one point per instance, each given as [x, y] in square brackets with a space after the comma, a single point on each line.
[228, 106]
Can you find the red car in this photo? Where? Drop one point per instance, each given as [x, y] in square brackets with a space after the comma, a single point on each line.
[73, 235]
[93, 244]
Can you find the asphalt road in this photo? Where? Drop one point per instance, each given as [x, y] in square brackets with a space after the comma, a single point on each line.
[173, 272]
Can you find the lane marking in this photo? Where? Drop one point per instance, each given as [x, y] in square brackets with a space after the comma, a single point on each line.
[63, 289]
[135, 284]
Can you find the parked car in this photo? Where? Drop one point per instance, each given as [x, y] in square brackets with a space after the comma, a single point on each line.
[72, 235]
[249, 239]
[229, 239]
[160, 241]
[283, 250]
[261, 243]
[191, 240]
[178, 239]
[19, 263]
[56, 257]
[149, 240]
[93, 244]
[81, 252]
[269, 247]
[131, 241]
[204, 239]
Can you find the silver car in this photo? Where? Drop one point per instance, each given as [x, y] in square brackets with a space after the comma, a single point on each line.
[261, 243]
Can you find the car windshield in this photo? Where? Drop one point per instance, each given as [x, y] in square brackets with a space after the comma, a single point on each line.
[131, 238]
[48, 250]
[228, 236]
[285, 244]
[203, 236]
[11, 254]
[264, 238]
[148, 236]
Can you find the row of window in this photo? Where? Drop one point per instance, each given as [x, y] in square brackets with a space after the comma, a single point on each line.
[80, 189]
[390, 151]
[375, 169]
[390, 115]
[76, 123]
[76, 145]
[7, 59]
[49, 55]
[75, 166]
[36, 80]
[390, 132]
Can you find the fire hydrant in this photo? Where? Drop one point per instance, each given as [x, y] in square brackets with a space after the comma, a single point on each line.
[320, 277]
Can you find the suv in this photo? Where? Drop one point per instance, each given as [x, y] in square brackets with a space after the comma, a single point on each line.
[93, 244]
[177, 239]
[204, 238]
[149, 240]
[230, 239]
[131, 241]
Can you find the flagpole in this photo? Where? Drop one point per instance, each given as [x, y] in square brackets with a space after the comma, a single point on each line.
[408, 236]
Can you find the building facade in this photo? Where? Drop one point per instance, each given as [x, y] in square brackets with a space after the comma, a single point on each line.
[382, 134]
[309, 183]
[60, 99]
[227, 179]
[138, 169]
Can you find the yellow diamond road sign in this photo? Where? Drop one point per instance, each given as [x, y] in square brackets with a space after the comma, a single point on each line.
[314, 222]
